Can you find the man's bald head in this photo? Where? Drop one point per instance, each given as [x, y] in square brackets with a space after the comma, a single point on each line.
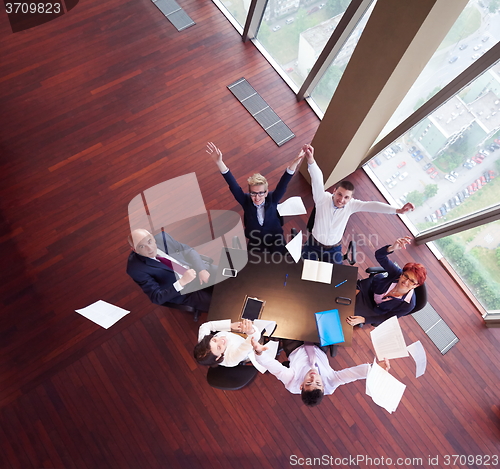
[143, 243]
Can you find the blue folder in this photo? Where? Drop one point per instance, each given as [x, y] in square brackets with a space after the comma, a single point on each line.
[329, 327]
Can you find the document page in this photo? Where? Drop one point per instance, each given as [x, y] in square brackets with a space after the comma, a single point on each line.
[295, 247]
[417, 352]
[385, 390]
[317, 271]
[388, 340]
[102, 313]
[292, 206]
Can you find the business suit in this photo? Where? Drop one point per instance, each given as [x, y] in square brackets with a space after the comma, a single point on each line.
[365, 304]
[157, 279]
[270, 234]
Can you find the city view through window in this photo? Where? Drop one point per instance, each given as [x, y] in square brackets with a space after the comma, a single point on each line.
[294, 33]
[448, 167]
[476, 30]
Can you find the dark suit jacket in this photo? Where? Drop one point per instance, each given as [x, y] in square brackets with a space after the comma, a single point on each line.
[272, 222]
[365, 304]
[156, 279]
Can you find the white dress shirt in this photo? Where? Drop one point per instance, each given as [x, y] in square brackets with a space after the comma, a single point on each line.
[294, 376]
[237, 348]
[330, 221]
[177, 285]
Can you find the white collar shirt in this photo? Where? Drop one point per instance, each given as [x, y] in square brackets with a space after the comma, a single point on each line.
[293, 377]
[330, 222]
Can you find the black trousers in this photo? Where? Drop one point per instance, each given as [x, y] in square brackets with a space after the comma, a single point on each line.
[290, 345]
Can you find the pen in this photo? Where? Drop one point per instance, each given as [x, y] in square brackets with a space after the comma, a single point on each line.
[286, 278]
[338, 284]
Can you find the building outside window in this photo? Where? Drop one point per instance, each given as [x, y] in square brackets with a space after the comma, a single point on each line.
[448, 166]
[294, 32]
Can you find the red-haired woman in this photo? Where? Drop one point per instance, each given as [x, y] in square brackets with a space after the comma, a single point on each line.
[383, 296]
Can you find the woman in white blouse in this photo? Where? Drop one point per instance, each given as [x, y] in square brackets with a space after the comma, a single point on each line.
[226, 347]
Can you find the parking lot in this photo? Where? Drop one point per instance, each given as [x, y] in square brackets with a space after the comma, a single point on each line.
[405, 168]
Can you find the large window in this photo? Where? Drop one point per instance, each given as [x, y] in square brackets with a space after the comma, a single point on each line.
[475, 256]
[236, 10]
[448, 166]
[294, 32]
[323, 91]
[474, 33]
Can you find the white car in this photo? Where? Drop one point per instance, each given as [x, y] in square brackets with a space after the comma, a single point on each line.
[392, 184]
[449, 177]
[403, 176]
[277, 28]
[289, 20]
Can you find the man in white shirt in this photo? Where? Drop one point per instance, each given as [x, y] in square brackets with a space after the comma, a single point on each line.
[309, 373]
[332, 214]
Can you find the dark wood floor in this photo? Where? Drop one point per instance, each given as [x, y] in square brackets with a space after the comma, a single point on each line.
[97, 106]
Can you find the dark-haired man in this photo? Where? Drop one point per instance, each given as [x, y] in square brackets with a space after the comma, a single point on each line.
[309, 373]
[332, 214]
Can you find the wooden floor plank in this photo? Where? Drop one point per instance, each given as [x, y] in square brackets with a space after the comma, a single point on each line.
[99, 105]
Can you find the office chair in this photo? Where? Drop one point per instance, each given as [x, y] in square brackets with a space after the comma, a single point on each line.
[420, 291]
[231, 378]
[187, 308]
[350, 254]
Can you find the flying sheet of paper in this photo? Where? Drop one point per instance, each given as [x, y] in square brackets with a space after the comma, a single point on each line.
[102, 313]
[388, 340]
[417, 352]
[295, 247]
[317, 271]
[385, 390]
[292, 206]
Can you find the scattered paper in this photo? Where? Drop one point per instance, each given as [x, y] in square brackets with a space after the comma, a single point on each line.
[317, 271]
[295, 247]
[102, 313]
[417, 352]
[385, 390]
[292, 206]
[388, 340]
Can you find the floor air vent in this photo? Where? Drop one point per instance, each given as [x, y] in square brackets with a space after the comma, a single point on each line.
[260, 111]
[437, 330]
[174, 13]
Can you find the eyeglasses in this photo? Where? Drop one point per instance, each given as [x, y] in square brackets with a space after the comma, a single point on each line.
[412, 282]
[260, 194]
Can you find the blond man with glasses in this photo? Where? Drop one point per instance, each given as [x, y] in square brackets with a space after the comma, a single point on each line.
[263, 225]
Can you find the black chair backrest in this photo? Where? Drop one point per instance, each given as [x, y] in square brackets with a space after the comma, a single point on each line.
[310, 222]
[420, 291]
[231, 378]
[421, 298]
